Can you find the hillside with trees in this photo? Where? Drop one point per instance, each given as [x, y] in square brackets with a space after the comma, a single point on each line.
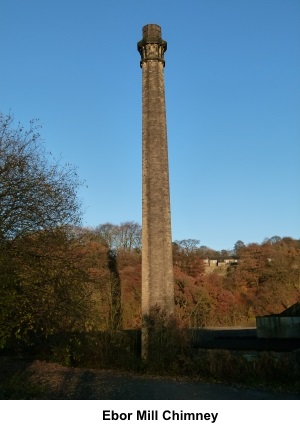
[57, 277]
[259, 279]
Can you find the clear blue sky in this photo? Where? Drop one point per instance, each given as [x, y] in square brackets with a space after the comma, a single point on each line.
[233, 106]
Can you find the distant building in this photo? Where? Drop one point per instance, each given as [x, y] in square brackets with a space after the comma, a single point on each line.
[219, 263]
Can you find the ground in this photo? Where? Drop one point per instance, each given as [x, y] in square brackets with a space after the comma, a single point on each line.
[66, 383]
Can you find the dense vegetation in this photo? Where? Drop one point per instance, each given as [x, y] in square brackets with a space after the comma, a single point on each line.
[55, 277]
[68, 279]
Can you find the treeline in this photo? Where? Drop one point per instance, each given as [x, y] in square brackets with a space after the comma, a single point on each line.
[58, 278]
[265, 279]
[69, 279]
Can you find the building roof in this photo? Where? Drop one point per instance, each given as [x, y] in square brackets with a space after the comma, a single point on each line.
[293, 311]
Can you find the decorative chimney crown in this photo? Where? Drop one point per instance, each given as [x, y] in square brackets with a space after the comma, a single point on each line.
[152, 47]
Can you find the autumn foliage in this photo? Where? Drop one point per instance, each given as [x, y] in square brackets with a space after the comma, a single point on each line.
[58, 278]
[68, 280]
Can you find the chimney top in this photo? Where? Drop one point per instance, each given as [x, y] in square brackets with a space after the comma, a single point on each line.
[151, 30]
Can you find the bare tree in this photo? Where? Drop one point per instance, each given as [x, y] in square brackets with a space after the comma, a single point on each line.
[35, 192]
[187, 257]
[188, 246]
[126, 236]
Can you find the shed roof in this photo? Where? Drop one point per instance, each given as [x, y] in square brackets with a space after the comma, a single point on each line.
[293, 311]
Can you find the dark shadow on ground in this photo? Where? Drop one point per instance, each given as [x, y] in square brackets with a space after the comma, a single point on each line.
[63, 383]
